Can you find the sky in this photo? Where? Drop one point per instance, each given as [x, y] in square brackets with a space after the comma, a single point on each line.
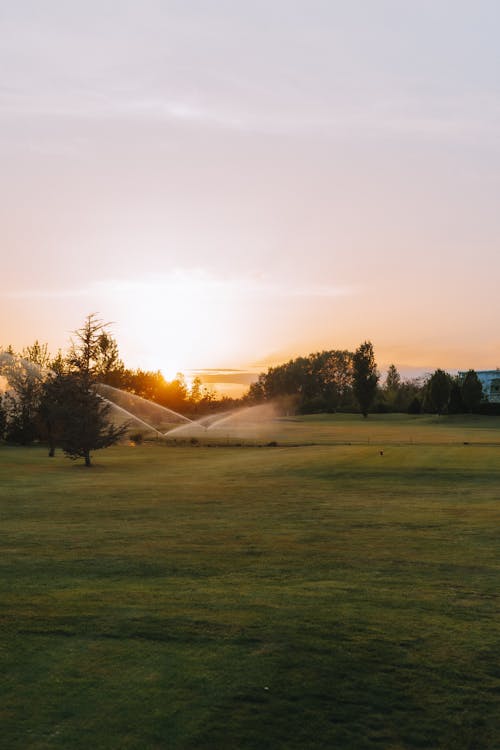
[235, 183]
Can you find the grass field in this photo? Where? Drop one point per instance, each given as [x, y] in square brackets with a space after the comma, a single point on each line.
[314, 596]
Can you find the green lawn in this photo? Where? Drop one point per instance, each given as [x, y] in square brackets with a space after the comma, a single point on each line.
[321, 596]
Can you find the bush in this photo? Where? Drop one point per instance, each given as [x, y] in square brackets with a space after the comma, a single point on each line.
[489, 408]
[415, 406]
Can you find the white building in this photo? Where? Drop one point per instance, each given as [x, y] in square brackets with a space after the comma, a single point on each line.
[490, 380]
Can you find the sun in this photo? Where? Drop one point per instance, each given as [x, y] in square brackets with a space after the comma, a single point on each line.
[170, 370]
[185, 321]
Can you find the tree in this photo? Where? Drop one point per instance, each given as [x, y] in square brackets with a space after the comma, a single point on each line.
[86, 355]
[410, 393]
[472, 391]
[38, 354]
[365, 376]
[322, 381]
[257, 391]
[392, 389]
[109, 367]
[414, 407]
[439, 390]
[331, 378]
[393, 379]
[455, 402]
[85, 416]
[174, 393]
[195, 393]
[52, 411]
[22, 400]
[3, 417]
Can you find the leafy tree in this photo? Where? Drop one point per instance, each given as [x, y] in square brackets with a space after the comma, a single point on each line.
[257, 391]
[322, 381]
[409, 391]
[415, 406]
[109, 367]
[331, 379]
[143, 383]
[196, 392]
[38, 354]
[3, 417]
[22, 400]
[174, 393]
[471, 391]
[439, 390]
[393, 379]
[398, 394]
[200, 399]
[365, 376]
[392, 389]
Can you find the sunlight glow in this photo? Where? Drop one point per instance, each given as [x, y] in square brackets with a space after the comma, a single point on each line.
[170, 371]
[190, 319]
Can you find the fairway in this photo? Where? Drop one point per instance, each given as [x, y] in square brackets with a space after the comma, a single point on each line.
[316, 594]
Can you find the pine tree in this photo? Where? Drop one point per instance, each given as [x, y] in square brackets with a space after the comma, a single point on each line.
[22, 399]
[472, 391]
[86, 424]
[365, 376]
[85, 417]
[439, 390]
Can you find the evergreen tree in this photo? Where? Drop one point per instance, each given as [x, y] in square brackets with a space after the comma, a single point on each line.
[52, 410]
[38, 354]
[22, 399]
[365, 376]
[438, 391]
[86, 354]
[472, 391]
[3, 417]
[85, 416]
[455, 402]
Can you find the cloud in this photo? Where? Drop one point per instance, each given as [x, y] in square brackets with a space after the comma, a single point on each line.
[374, 114]
[329, 73]
[189, 281]
[45, 294]
[214, 375]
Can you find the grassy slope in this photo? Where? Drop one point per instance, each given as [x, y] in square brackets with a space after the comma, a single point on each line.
[150, 602]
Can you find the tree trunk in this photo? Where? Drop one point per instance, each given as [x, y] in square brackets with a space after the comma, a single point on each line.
[87, 458]
[52, 451]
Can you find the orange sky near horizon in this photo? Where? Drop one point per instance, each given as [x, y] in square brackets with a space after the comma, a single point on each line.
[230, 210]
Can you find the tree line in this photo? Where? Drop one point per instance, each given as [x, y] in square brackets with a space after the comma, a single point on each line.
[340, 380]
[54, 398]
[327, 381]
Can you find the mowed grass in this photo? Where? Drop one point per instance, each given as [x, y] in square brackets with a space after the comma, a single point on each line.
[390, 429]
[321, 596]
